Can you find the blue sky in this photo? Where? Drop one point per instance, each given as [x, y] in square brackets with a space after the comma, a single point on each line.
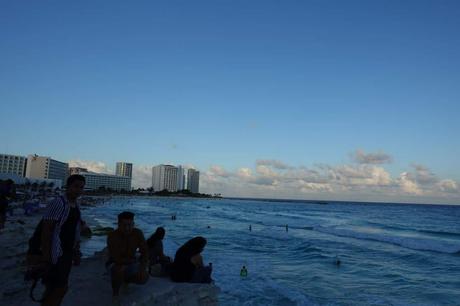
[228, 83]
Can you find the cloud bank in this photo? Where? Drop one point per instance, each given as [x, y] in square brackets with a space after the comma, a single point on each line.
[363, 179]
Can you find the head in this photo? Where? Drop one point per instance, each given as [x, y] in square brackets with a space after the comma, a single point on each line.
[126, 222]
[160, 233]
[196, 245]
[75, 186]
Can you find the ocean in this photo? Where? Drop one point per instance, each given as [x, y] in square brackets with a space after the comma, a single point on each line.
[390, 254]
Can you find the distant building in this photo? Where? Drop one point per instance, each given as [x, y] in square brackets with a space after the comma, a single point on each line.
[20, 180]
[193, 180]
[47, 168]
[95, 181]
[180, 178]
[13, 164]
[164, 177]
[124, 169]
[76, 170]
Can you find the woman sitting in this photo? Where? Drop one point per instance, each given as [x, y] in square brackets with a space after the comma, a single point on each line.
[188, 264]
[159, 262]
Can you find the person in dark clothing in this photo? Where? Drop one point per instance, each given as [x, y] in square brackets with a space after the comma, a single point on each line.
[188, 263]
[60, 240]
[6, 193]
[156, 254]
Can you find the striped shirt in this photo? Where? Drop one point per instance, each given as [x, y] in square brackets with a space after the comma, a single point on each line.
[58, 211]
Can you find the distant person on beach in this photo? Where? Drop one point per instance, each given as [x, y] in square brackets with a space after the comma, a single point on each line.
[156, 254]
[6, 193]
[60, 240]
[122, 244]
[188, 263]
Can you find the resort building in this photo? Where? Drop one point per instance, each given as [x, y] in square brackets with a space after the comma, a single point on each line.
[95, 181]
[193, 180]
[13, 164]
[180, 178]
[164, 177]
[46, 168]
[124, 169]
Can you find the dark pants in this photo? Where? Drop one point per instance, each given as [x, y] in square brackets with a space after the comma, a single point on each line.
[202, 275]
[126, 274]
[56, 281]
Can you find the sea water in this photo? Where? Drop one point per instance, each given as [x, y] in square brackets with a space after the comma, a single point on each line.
[390, 254]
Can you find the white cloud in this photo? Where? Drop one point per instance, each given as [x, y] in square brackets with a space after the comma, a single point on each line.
[219, 171]
[408, 184]
[450, 186]
[93, 166]
[371, 158]
[276, 164]
[142, 176]
[272, 178]
[364, 175]
[423, 175]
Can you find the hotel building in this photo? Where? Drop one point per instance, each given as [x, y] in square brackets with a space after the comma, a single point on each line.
[193, 180]
[13, 164]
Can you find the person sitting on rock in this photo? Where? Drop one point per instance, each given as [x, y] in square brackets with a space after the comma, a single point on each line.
[156, 254]
[188, 263]
[122, 244]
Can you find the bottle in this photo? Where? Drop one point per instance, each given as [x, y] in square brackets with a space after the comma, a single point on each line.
[243, 272]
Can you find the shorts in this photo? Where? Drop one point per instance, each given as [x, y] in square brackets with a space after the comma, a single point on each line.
[58, 275]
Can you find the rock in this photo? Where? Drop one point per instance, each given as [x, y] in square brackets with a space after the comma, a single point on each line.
[86, 232]
[102, 231]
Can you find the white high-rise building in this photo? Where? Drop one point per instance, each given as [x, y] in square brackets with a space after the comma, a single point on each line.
[47, 168]
[180, 178]
[164, 177]
[13, 164]
[193, 180]
[124, 169]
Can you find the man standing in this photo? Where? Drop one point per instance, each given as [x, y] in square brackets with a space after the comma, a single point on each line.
[60, 240]
[122, 244]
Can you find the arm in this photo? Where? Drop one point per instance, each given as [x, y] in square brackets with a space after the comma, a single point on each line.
[54, 212]
[197, 260]
[143, 249]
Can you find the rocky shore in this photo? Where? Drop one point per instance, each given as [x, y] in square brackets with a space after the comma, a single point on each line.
[89, 282]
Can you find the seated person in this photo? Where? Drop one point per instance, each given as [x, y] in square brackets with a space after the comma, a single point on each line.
[122, 244]
[156, 255]
[188, 264]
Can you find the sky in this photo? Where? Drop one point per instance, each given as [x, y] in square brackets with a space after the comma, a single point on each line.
[344, 100]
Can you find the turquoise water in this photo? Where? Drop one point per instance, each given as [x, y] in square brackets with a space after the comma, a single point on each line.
[390, 254]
